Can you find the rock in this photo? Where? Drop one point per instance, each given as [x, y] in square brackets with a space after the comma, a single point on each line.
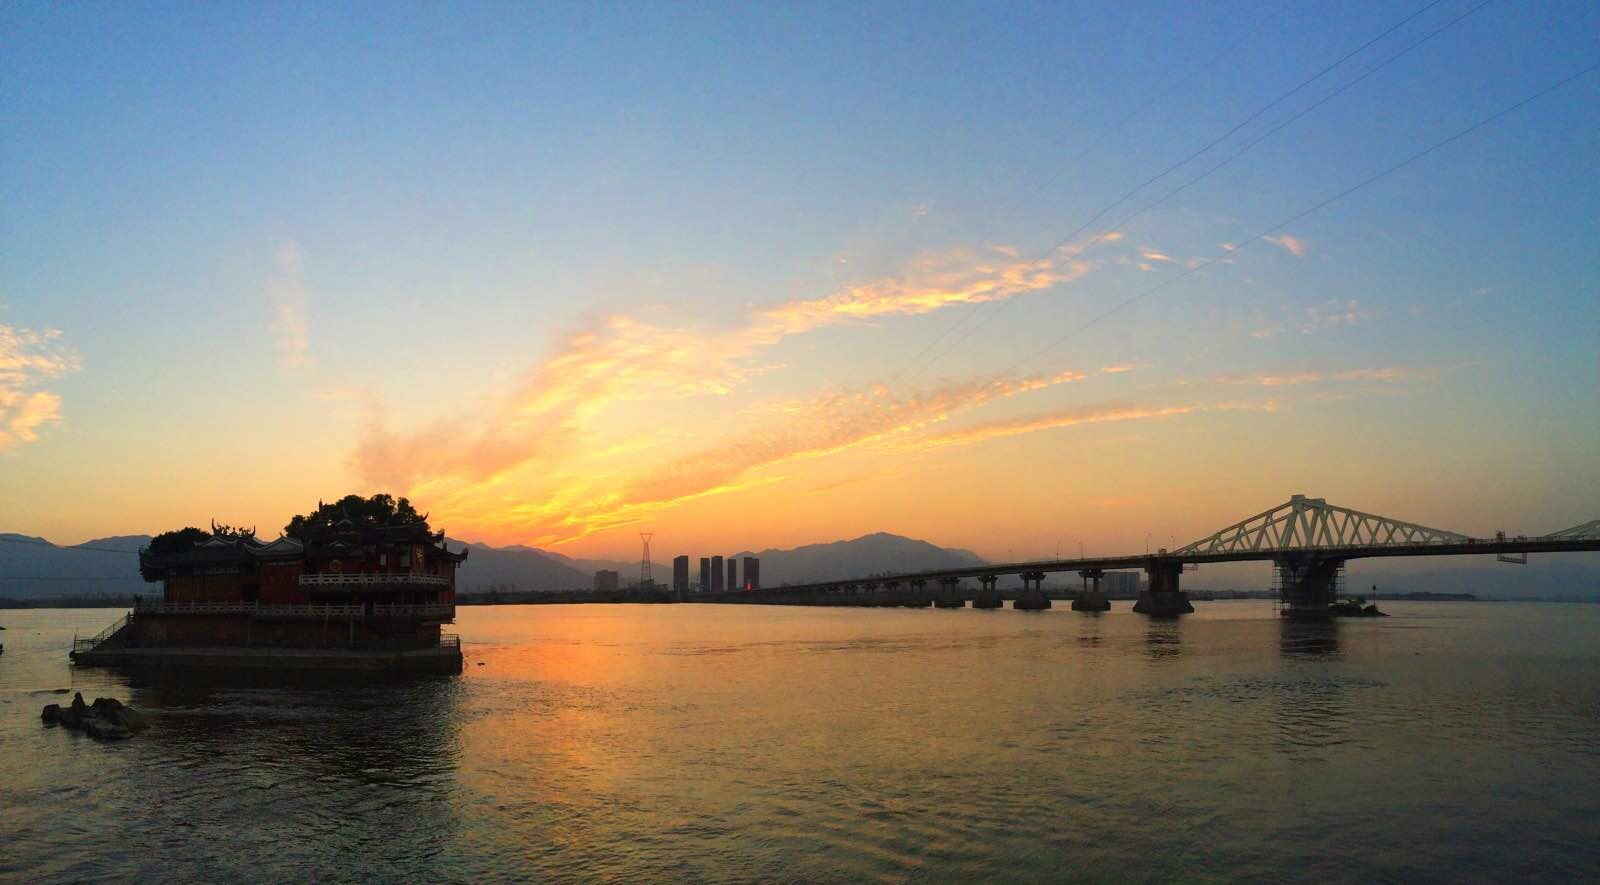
[105, 730]
[132, 719]
[106, 719]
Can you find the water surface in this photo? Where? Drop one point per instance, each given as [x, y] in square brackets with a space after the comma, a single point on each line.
[732, 743]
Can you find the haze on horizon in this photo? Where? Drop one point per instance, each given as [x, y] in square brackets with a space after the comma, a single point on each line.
[760, 277]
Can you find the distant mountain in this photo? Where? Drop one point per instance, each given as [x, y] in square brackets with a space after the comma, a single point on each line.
[866, 555]
[31, 567]
[517, 568]
[529, 568]
[1546, 580]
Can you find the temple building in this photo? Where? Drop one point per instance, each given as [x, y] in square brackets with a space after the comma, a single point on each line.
[343, 594]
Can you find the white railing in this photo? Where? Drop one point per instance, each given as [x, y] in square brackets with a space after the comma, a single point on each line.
[310, 610]
[372, 579]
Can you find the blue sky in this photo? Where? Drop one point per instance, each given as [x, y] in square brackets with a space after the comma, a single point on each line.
[284, 236]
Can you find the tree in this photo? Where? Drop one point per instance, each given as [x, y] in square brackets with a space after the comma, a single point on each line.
[378, 510]
[178, 541]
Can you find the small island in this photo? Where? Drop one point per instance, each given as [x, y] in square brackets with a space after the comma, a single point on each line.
[360, 584]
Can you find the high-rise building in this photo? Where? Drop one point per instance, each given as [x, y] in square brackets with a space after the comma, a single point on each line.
[1120, 584]
[733, 573]
[705, 574]
[605, 581]
[680, 575]
[716, 574]
[752, 573]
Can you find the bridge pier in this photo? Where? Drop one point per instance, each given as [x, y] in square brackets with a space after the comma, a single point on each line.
[1308, 586]
[1032, 598]
[1162, 598]
[918, 598]
[950, 594]
[1091, 600]
[988, 597]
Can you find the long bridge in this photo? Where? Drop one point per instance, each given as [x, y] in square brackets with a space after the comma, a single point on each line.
[1307, 540]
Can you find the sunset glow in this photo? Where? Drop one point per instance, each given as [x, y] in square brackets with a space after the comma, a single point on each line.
[571, 303]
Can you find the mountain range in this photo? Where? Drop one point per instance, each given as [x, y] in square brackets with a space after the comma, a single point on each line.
[33, 568]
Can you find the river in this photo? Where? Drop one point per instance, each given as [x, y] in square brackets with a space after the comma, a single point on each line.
[1453, 741]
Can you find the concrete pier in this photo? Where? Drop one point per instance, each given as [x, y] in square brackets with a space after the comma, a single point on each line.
[988, 597]
[1308, 586]
[1032, 598]
[950, 594]
[1162, 598]
[1091, 599]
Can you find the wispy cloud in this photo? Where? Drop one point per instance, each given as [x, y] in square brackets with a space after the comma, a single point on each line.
[1331, 314]
[1379, 375]
[620, 359]
[1293, 245]
[287, 299]
[1066, 418]
[28, 358]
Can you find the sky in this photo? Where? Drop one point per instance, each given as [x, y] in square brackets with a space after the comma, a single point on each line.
[1019, 278]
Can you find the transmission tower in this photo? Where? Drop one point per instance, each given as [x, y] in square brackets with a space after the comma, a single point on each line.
[644, 561]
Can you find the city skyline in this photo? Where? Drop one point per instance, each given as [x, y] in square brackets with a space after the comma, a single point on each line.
[825, 280]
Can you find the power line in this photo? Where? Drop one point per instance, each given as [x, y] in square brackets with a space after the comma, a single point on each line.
[1283, 125]
[1060, 170]
[1436, 146]
[1206, 148]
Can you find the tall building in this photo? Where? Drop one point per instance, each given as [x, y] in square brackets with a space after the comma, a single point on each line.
[716, 574]
[1120, 584]
[705, 574]
[680, 575]
[752, 573]
[733, 573]
[606, 581]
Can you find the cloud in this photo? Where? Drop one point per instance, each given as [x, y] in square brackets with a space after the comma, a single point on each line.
[287, 300]
[620, 359]
[1383, 375]
[1066, 418]
[823, 425]
[28, 358]
[1294, 246]
[1333, 314]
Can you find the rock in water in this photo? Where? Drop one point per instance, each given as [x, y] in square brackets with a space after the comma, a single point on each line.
[106, 718]
[105, 730]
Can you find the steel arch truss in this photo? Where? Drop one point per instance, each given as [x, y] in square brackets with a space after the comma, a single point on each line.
[1310, 523]
[1588, 530]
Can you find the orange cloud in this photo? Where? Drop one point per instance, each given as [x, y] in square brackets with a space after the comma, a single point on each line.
[621, 359]
[27, 359]
[824, 425]
[1067, 418]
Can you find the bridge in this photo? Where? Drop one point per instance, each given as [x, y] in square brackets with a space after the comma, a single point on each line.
[1307, 540]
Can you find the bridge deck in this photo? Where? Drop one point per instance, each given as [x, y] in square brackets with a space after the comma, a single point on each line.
[1469, 546]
